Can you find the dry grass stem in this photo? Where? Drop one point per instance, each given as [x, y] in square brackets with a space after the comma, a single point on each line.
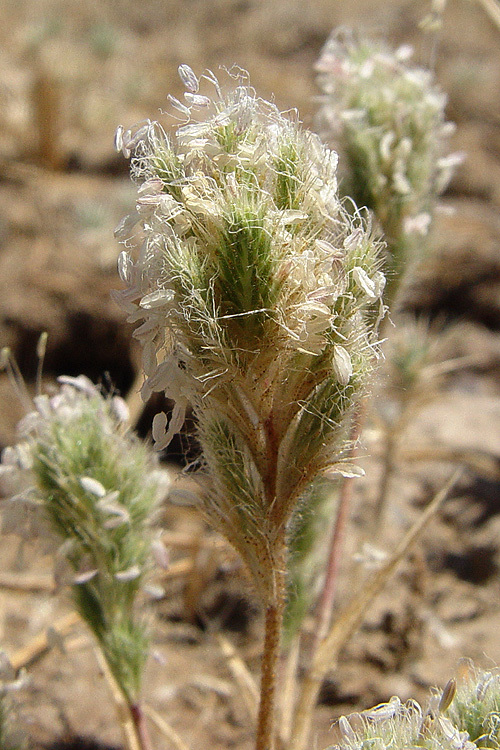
[39, 645]
[249, 691]
[165, 728]
[389, 463]
[327, 653]
[289, 691]
[26, 582]
[270, 655]
[127, 724]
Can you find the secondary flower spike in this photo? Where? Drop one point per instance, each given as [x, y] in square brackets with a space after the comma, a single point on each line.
[256, 299]
[386, 116]
[79, 477]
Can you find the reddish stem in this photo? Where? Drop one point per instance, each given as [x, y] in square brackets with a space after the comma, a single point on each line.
[270, 658]
[325, 604]
[140, 726]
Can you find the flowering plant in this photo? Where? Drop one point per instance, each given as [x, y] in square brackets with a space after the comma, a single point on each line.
[81, 478]
[257, 298]
[387, 118]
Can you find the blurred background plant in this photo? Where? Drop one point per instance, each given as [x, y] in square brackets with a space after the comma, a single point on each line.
[79, 476]
[465, 715]
[386, 117]
[387, 121]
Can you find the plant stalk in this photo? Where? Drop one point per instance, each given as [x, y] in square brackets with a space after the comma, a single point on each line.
[388, 468]
[325, 604]
[141, 729]
[270, 657]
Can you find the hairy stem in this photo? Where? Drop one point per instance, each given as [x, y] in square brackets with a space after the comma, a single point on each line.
[270, 657]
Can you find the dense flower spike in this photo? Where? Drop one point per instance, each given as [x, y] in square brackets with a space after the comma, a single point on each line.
[386, 116]
[81, 475]
[396, 726]
[256, 298]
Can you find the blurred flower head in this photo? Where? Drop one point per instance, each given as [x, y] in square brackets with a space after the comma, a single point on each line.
[79, 477]
[386, 116]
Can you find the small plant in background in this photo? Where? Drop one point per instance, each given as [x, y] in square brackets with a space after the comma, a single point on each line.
[81, 477]
[386, 117]
[257, 298]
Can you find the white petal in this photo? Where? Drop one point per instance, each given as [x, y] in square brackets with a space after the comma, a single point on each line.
[196, 100]
[345, 470]
[342, 364]
[291, 216]
[159, 426]
[364, 282]
[85, 577]
[188, 78]
[157, 299]
[93, 486]
[129, 574]
[179, 106]
[119, 138]
[125, 266]
[154, 591]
